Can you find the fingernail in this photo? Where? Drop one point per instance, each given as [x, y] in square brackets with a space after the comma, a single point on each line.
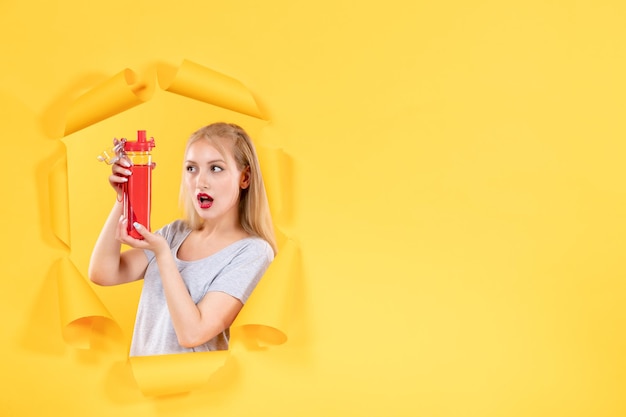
[125, 163]
[136, 225]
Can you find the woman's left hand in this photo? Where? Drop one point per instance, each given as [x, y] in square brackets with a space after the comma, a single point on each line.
[150, 241]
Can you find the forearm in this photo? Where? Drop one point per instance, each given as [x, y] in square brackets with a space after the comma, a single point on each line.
[192, 328]
[104, 265]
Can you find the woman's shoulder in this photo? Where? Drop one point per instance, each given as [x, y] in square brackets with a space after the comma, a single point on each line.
[256, 246]
[174, 229]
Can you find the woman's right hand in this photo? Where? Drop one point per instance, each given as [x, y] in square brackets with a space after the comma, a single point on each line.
[119, 175]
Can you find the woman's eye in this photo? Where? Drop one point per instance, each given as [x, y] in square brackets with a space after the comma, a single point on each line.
[191, 168]
[216, 168]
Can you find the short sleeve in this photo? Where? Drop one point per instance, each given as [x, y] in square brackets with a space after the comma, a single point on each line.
[241, 275]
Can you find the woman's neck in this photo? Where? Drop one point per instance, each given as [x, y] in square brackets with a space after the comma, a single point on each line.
[222, 229]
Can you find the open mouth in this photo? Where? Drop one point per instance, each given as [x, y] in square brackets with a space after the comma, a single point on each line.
[205, 200]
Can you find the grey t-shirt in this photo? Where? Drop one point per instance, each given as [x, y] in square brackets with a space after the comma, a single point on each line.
[234, 270]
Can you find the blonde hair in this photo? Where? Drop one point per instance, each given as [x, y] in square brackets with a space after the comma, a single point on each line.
[254, 211]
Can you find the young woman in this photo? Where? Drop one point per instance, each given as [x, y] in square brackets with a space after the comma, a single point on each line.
[199, 271]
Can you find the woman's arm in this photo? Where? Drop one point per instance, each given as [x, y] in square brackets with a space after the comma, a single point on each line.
[108, 264]
[194, 324]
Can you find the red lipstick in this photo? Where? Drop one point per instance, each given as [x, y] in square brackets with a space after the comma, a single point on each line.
[205, 200]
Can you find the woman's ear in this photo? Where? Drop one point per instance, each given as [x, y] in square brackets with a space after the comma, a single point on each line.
[244, 180]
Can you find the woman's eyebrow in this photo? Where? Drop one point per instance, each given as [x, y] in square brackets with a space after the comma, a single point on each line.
[191, 161]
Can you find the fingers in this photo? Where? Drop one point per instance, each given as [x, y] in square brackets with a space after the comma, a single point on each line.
[124, 161]
[140, 229]
[151, 241]
[119, 173]
[120, 233]
[121, 168]
[122, 230]
[117, 179]
[123, 236]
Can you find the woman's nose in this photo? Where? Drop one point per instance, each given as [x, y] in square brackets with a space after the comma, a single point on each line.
[202, 181]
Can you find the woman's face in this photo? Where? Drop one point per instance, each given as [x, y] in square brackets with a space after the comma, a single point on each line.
[213, 181]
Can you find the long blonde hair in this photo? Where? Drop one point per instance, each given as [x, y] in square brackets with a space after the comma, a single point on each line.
[254, 211]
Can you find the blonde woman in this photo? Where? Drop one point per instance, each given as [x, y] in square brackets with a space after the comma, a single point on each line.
[198, 271]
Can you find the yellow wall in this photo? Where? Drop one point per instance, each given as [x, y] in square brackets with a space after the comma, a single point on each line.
[456, 196]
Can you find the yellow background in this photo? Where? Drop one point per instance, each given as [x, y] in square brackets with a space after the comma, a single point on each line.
[457, 202]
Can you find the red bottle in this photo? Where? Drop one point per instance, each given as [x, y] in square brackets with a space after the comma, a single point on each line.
[138, 189]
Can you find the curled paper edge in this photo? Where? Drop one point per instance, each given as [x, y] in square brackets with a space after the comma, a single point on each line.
[276, 169]
[258, 324]
[113, 96]
[80, 307]
[265, 323]
[204, 84]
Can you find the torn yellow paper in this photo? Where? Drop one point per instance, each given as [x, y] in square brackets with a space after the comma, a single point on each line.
[175, 374]
[204, 84]
[265, 317]
[111, 97]
[59, 200]
[266, 321]
[80, 307]
[276, 169]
